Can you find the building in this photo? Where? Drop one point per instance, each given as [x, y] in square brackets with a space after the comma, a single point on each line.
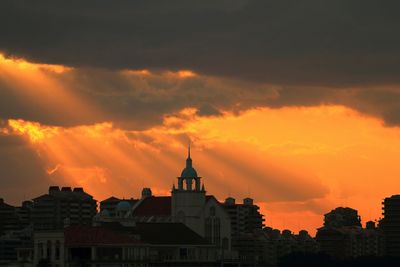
[390, 225]
[203, 214]
[109, 205]
[343, 237]
[9, 220]
[246, 221]
[53, 210]
[245, 218]
[188, 204]
[16, 248]
[341, 217]
[114, 244]
[24, 213]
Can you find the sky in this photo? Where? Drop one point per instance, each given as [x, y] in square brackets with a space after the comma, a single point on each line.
[293, 103]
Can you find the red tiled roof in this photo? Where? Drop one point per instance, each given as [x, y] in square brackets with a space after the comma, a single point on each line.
[158, 206]
[154, 206]
[90, 235]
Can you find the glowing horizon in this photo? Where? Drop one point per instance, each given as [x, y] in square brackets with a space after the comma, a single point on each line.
[294, 161]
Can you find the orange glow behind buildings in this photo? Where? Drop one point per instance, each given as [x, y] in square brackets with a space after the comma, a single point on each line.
[295, 162]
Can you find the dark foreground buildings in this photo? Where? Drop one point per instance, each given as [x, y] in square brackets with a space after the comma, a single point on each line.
[390, 225]
[187, 228]
[343, 237]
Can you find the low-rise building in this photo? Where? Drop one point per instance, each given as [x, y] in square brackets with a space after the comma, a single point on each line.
[139, 245]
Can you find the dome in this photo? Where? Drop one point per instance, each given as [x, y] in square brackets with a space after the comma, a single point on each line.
[105, 213]
[123, 206]
[189, 172]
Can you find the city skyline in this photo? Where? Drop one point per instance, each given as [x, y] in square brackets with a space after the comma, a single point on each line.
[293, 104]
[135, 197]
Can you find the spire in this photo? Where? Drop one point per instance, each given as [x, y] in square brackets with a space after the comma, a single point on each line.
[189, 160]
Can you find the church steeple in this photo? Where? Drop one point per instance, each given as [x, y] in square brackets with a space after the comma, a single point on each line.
[188, 176]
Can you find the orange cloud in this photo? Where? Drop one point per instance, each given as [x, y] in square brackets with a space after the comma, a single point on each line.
[39, 86]
[295, 162]
[25, 65]
[35, 131]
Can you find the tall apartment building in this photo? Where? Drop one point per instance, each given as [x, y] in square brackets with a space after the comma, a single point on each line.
[24, 213]
[245, 221]
[8, 218]
[245, 218]
[60, 206]
[390, 225]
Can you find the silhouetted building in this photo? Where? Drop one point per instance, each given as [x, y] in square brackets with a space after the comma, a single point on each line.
[340, 217]
[9, 220]
[245, 218]
[142, 244]
[245, 221]
[188, 204]
[110, 204]
[24, 213]
[16, 248]
[53, 210]
[390, 225]
[342, 236]
[265, 247]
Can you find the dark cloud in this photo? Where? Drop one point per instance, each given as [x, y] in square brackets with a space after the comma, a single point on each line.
[249, 54]
[134, 101]
[22, 170]
[312, 42]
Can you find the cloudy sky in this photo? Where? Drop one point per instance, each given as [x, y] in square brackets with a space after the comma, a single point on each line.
[294, 103]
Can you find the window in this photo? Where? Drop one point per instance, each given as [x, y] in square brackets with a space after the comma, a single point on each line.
[208, 230]
[225, 243]
[57, 252]
[212, 211]
[48, 249]
[40, 250]
[217, 231]
[181, 217]
[191, 253]
[183, 253]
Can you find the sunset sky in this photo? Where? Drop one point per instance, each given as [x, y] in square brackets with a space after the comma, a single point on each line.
[293, 103]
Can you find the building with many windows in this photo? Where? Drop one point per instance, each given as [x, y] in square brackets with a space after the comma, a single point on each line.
[390, 225]
[245, 217]
[60, 206]
[343, 237]
[114, 244]
[9, 220]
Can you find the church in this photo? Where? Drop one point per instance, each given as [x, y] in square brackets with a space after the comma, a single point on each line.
[188, 204]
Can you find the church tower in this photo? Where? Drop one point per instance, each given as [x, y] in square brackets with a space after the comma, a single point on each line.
[189, 198]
